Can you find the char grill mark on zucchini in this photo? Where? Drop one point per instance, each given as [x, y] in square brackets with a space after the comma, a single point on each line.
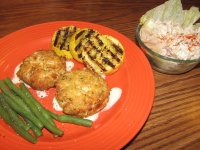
[118, 49]
[78, 46]
[81, 39]
[80, 55]
[97, 54]
[62, 37]
[90, 67]
[114, 54]
[90, 33]
[56, 38]
[79, 34]
[99, 40]
[66, 31]
[107, 61]
[115, 57]
[93, 59]
[108, 52]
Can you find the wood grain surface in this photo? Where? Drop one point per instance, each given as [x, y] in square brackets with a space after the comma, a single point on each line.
[174, 121]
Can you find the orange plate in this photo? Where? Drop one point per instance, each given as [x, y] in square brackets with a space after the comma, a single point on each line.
[115, 127]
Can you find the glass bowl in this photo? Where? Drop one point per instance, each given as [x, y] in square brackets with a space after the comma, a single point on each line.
[165, 64]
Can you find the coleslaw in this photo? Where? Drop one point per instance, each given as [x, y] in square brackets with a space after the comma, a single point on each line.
[171, 40]
[170, 31]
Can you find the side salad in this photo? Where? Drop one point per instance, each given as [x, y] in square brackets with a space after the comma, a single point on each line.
[171, 31]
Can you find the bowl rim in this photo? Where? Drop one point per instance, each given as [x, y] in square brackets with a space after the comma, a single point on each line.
[159, 55]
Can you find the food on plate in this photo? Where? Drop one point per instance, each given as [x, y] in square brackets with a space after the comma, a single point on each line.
[170, 31]
[76, 42]
[82, 92]
[103, 54]
[41, 69]
[61, 41]
[23, 113]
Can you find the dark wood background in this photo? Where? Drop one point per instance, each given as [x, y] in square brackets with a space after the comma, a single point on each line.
[174, 121]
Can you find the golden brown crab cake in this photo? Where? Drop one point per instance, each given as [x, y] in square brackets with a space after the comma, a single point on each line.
[41, 69]
[82, 93]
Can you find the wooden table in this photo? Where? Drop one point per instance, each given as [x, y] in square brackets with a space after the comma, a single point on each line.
[174, 121]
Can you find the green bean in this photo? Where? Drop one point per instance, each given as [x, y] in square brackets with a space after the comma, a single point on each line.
[11, 95]
[24, 112]
[71, 119]
[34, 109]
[37, 104]
[5, 116]
[15, 116]
[17, 100]
[19, 106]
[8, 118]
[34, 128]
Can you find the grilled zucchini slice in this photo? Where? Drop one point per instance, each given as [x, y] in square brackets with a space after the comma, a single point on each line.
[103, 54]
[61, 40]
[76, 42]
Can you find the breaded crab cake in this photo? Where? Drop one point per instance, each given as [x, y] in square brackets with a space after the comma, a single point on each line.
[41, 69]
[82, 93]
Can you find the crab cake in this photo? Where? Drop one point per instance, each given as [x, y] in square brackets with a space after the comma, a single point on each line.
[41, 69]
[82, 93]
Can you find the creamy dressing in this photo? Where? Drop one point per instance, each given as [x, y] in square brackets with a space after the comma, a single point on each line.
[41, 94]
[15, 78]
[93, 117]
[115, 94]
[69, 65]
[56, 106]
[103, 76]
